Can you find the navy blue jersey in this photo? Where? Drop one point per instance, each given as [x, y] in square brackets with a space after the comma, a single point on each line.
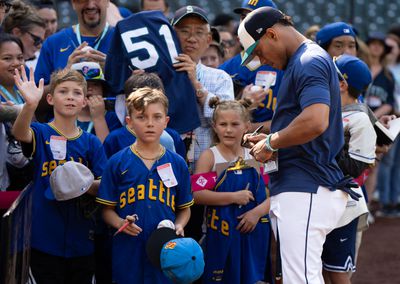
[124, 137]
[245, 75]
[230, 256]
[111, 120]
[147, 41]
[310, 78]
[58, 47]
[129, 186]
[59, 228]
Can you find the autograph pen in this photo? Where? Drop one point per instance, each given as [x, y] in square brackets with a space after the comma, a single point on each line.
[126, 224]
[254, 133]
[247, 188]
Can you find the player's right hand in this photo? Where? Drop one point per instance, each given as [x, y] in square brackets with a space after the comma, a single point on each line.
[242, 197]
[31, 93]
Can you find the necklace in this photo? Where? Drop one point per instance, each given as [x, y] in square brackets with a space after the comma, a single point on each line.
[161, 152]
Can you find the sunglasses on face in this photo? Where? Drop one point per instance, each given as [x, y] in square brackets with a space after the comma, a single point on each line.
[6, 6]
[37, 41]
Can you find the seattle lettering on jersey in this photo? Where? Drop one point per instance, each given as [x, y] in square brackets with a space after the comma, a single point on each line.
[152, 192]
[49, 166]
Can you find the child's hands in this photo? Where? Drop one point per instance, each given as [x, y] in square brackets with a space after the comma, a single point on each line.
[96, 106]
[242, 197]
[248, 221]
[132, 229]
[179, 230]
[31, 93]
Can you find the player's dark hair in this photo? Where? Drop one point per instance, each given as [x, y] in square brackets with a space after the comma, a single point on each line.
[239, 106]
[67, 75]
[142, 97]
[23, 17]
[10, 38]
[137, 81]
[286, 21]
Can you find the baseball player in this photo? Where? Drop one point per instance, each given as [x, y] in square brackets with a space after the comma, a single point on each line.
[306, 136]
[147, 180]
[62, 238]
[358, 154]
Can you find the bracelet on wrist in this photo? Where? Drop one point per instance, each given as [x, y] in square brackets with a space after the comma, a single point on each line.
[268, 144]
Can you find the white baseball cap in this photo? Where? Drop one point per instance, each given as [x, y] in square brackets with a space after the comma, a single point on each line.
[68, 181]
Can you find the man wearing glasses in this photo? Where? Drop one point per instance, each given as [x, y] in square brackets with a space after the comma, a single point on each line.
[306, 136]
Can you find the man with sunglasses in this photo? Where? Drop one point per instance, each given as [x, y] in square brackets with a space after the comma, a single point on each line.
[88, 40]
[254, 73]
[306, 136]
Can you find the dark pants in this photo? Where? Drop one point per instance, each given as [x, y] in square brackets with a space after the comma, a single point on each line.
[50, 269]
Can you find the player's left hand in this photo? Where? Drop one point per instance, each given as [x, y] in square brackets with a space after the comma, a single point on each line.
[179, 230]
[31, 93]
[96, 106]
[259, 151]
[248, 222]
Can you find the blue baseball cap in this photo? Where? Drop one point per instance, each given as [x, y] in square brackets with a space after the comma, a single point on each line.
[331, 31]
[182, 260]
[355, 71]
[253, 27]
[250, 5]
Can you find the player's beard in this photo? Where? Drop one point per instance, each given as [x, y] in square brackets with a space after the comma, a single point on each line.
[91, 24]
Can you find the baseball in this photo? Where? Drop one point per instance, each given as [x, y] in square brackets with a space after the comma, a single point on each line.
[86, 48]
[255, 88]
[166, 224]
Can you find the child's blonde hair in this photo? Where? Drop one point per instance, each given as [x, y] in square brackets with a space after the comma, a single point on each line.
[241, 107]
[66, 75]
[142, 97]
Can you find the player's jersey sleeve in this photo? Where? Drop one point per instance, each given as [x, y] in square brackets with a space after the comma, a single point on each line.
[362, 141]
[184, 198]
[313, 85]
[107, 194]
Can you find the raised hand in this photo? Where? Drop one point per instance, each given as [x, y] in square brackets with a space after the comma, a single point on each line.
[31, 93]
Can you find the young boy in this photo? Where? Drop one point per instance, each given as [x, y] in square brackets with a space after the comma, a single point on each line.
[358, 154]
[124, 136]
[94, 118]
[62, 246]
[147, 180]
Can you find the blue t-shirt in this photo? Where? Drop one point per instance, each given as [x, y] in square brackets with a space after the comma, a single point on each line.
[310, 78]
[131, 188]
[147, 41]
[245, 75]
[59, 227]
[58, 47]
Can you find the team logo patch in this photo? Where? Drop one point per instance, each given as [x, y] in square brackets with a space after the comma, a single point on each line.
[259, 30]
[201, 181]
[64, 49]
[170, 245]
[346, 31]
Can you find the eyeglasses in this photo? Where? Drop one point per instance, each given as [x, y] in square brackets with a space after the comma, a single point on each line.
[184, 33]
[6, 6]
[228, 43]
[36, 40]
[340, 74]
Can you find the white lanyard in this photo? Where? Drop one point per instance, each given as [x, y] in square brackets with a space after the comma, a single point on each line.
[98, 40]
